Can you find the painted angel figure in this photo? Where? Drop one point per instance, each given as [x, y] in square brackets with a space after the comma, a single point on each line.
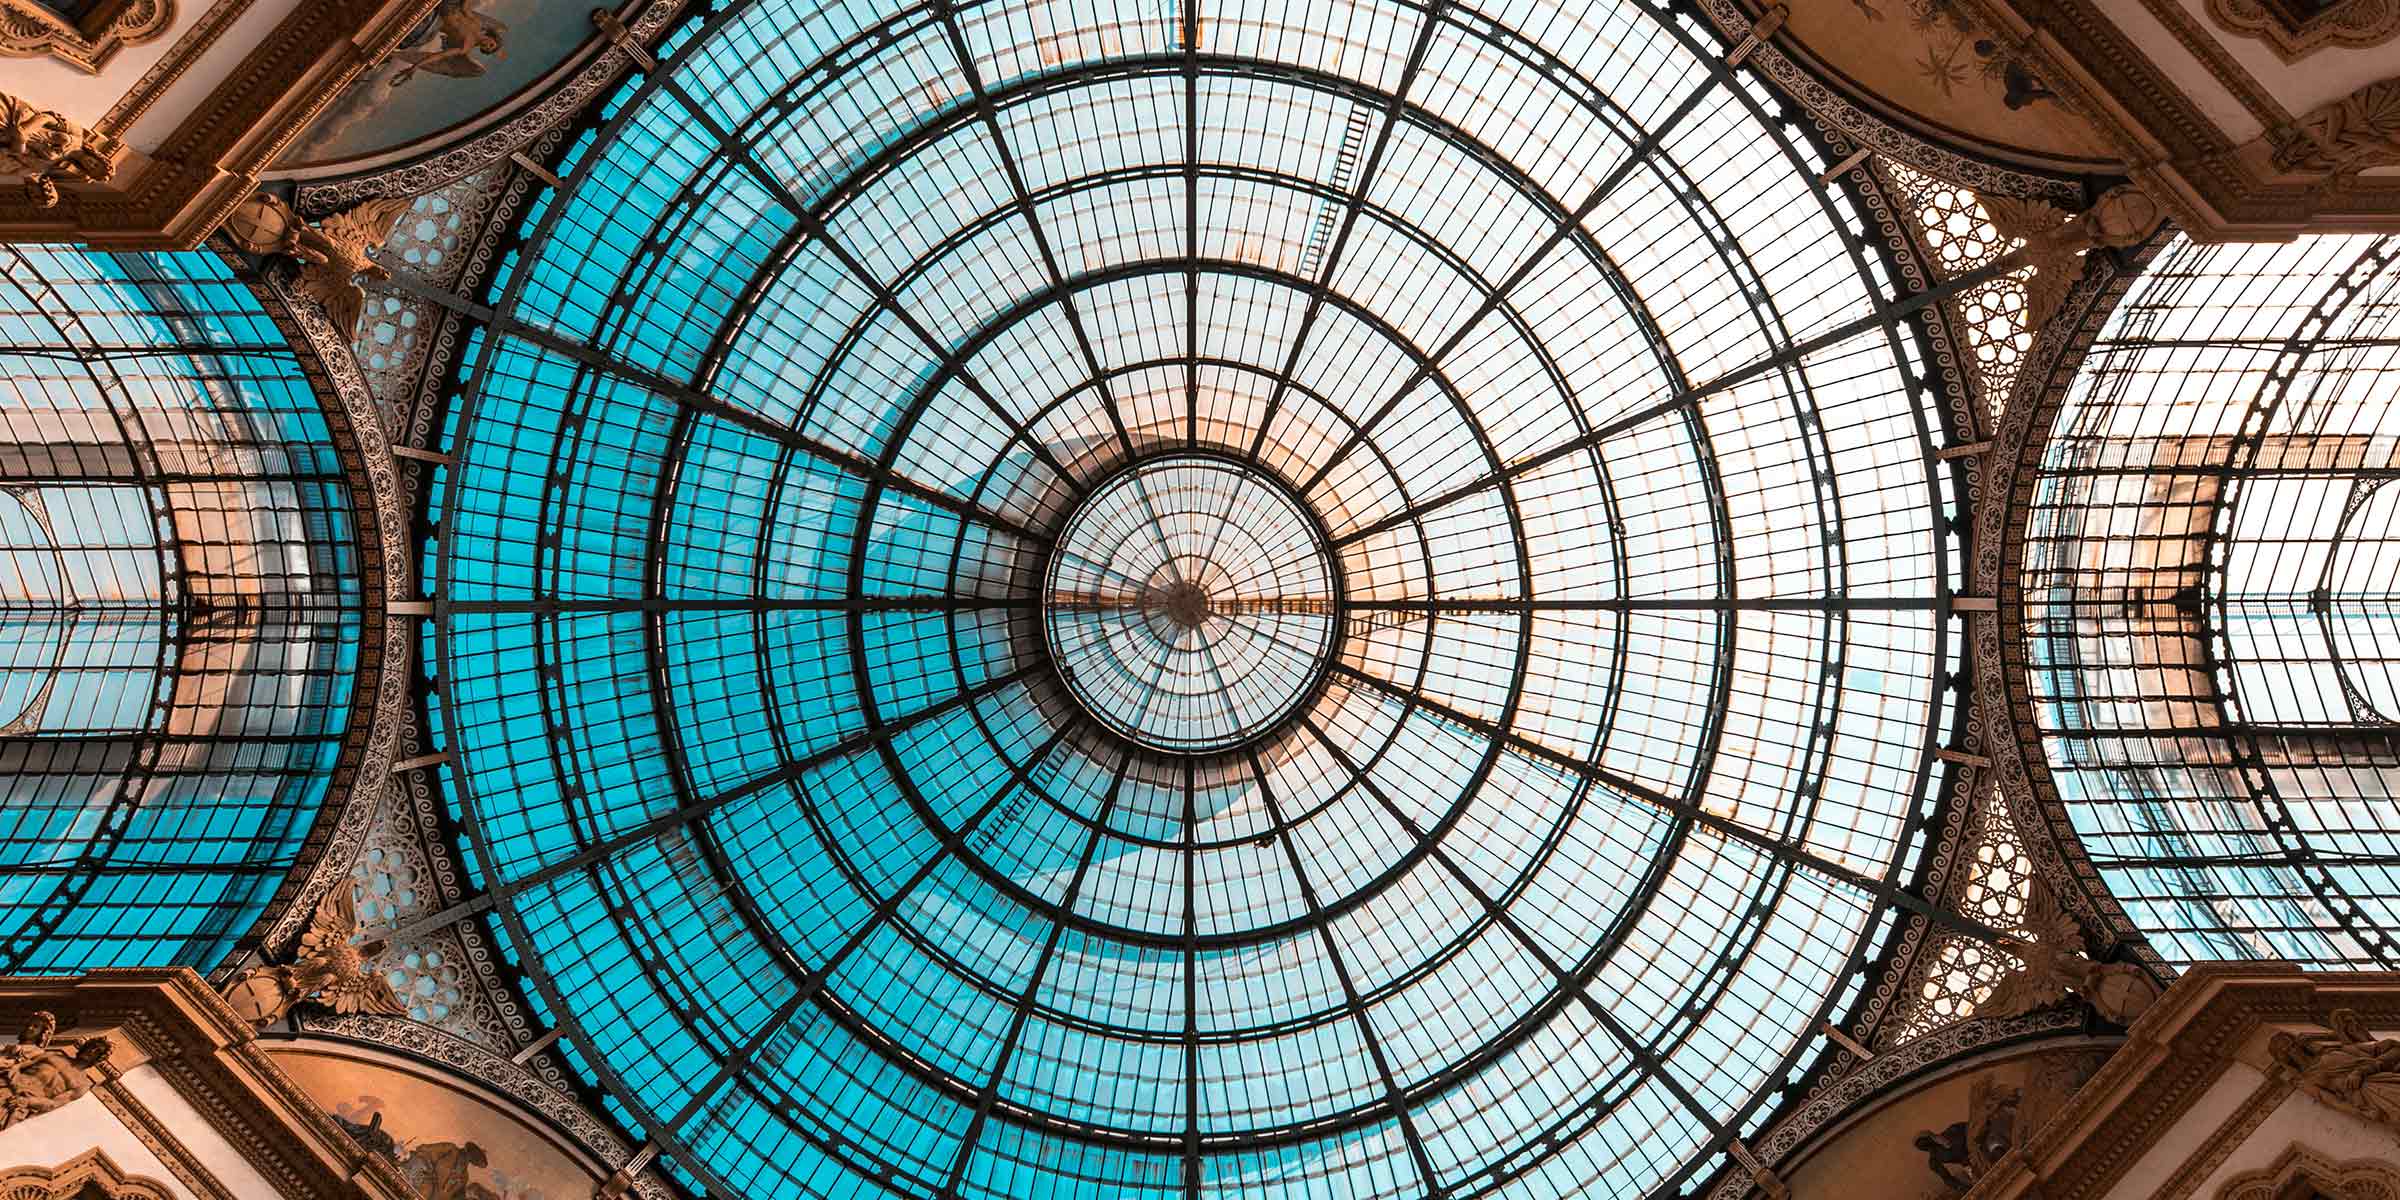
[460, 33]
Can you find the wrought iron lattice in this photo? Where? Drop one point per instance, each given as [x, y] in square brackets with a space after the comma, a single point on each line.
[1594, 459]
[179, 609]
[2211, 629]
[1961, 236]
[1962, 969]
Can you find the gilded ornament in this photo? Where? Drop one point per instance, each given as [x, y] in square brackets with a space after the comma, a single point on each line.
[46, 147]
[30, 29]
[37, 1076]
[331, 969]
[2052, 966]
[2349, 1069]
[333, 253]
[2055, 243]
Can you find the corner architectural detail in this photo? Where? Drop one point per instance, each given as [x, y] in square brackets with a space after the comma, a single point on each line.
[2356, 24]
[2302, 1172]
[30, 30]
[2358, 131]
[2350, 1069]
[36, 1076]
[46, 147]
[331, 970]
[2056, 243]
[332, 254]
[2053, 965]
[86, 1175]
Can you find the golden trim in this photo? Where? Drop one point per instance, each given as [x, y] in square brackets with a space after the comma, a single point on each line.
[75, 1179]
[31, 30]
[177, 60]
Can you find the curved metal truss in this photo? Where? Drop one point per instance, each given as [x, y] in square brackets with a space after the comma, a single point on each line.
[2213, 648]
[180, 610]
[1621, 457]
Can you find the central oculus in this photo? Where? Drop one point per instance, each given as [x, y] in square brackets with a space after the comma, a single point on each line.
[1191, 603]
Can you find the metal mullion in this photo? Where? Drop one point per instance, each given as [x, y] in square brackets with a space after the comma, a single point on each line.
[1393, 1095]
[708, 405]
[1191, 991]
[599, 851]
[758, 604]
[813, 982]
[948, 14]
[1357, 203]
[813, 224]
[1716, 604]
[1580, 988]
[1025, 999]
[1567, 227]
[1790, 854]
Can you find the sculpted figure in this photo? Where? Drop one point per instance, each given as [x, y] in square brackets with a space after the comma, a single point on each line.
[2349, 1069]
[2053, 966]
[36, 1076]
[46, 147]
[330, 970]
[2056, 243]
[332, 253]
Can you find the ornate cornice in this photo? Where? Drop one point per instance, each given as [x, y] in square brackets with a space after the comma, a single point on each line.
[173, 196]
[2356, 24]
[2172, 1057]
[179, 1028]
[79, 1178]
[32, 30]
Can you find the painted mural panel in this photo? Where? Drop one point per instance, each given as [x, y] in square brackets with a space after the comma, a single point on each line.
[449, 1140]
[465, 61]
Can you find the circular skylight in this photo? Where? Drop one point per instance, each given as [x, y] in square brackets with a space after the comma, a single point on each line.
[1075, 600]
[1190, 603]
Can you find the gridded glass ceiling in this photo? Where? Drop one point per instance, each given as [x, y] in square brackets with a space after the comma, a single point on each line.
[899, 406]
[2212, 627]
[179, 609]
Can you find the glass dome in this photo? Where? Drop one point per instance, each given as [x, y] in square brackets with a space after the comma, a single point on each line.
[1339, 599]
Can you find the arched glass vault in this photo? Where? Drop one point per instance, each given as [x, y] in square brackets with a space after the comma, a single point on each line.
[881, 462]
[2211, 639]
[180, 609]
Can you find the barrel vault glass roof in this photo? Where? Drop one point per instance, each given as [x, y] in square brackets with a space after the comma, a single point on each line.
[1605, 418]
[179, 609]
[2211, 619]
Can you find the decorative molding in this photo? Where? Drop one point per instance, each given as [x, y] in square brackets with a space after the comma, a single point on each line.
[153, 1133]
[210, 160]
[29, 29]
[2227, 1137]
[2354, 24]
[170, 1020]
[1864, 129]
[79, 1178]
[1850, 1094]
[2301, 1167]
[2357, 132]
